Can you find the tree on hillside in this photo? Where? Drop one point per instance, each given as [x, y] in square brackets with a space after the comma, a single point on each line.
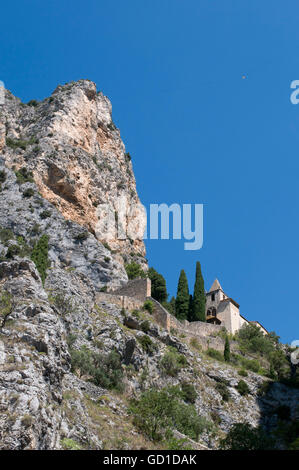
[198, 312]
[182, 298]
[159, 291]
[226, 350]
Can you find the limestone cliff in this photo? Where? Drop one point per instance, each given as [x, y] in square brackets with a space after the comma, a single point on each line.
[71, 359]
[77, 157]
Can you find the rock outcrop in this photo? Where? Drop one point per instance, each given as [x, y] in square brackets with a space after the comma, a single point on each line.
[60, 160]
[78, 160]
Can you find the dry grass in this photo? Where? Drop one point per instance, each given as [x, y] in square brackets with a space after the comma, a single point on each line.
[115, 431]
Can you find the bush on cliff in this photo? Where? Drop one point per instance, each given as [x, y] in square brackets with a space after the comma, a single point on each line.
[40, 256]
[243, 436]
[104, 371]
[134, 271]
[158, 411]
[172, 362]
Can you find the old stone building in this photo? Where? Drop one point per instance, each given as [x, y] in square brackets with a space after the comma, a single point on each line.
[225, 311]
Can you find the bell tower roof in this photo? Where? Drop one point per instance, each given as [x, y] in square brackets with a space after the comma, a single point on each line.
[215, 286]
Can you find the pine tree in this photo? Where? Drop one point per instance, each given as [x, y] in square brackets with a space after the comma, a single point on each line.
[199, 299]
[182, 298]
[226, 350]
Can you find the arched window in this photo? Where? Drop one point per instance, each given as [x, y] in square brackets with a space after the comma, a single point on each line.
[211, 312]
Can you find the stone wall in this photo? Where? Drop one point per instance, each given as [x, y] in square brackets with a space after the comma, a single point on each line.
[122, 301]
[133, 295]
[137, 288]
[205, 333]
[161, 315]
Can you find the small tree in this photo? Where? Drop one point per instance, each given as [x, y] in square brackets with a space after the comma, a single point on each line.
[182, 298]
[226, 350]
[6, 306]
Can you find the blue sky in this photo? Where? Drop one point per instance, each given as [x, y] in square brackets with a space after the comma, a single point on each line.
[196, 130]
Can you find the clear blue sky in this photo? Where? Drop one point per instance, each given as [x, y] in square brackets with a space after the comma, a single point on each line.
[197, 131]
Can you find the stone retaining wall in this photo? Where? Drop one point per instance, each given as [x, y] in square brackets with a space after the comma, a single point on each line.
[122, 301]
[138, 288]
[133, 295]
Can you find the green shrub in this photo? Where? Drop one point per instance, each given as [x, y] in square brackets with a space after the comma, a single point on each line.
[12, 251]
[136, 313]
[172, 362]
[45, 214]
[243, 388]
[24, 176]
[32, 103]
[149, 306]
[145, 326]
[134, 271]
[243, 372]
[29, 192]
[6, 306]
[252, 340]
[70, 444]
[221, 388]
[189, 393]
[243, 436]
[39, 256]
[104, 371]
[215, 354]
[5, 235]
[158, 411]
[63, 303]
[80, 237]
[147, 345]
[2, 176]
[36, 229]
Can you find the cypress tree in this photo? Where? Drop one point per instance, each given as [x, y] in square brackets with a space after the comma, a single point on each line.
[182, 298]
[199, 299]
[190, 309]
[226, 350]
[159, 291]
[170, 306]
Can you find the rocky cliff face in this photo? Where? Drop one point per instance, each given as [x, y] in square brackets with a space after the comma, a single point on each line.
[55, 327]
[77, 157]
